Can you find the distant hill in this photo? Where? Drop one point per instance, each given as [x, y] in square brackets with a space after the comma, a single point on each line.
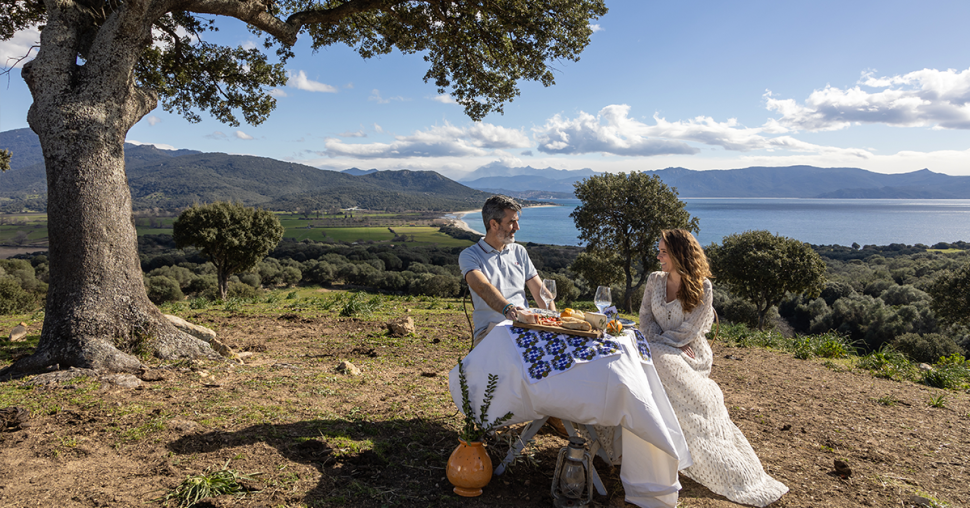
[175, 179]
[172, 179]
[752, 182]
[522, 182]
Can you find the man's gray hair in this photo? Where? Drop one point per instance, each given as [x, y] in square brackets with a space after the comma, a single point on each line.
[495, 208]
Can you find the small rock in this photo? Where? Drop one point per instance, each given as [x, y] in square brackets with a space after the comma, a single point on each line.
[199, 332]
[786, 426]
[183, 425]
[401, 326]
[925, 367]
[153, 375]
[842, 469]
[19, 332]
[122, 380]
[349, 369]
[920, 500]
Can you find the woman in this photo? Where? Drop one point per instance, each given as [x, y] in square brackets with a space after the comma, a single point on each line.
[675, 316]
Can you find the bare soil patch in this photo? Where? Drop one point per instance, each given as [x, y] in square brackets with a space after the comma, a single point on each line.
[316, 437]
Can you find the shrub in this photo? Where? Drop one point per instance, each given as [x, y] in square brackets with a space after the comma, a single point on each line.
[13, 298]
[251, 279]
[358, 303]
[163, 289]
[926, 348]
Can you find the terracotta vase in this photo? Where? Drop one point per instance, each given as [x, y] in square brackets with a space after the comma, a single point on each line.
[469, 469]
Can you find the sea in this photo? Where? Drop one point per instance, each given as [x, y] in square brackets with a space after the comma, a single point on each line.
[816, 221]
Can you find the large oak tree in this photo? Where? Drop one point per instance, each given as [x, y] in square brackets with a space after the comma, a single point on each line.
[102, 65]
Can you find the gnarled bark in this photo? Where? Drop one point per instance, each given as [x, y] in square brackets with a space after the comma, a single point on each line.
[98, 315]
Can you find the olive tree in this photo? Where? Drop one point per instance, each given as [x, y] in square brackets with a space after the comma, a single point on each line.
[234, 237]
[762, 268]
[102, 65]
[620, 218]
[951, 297]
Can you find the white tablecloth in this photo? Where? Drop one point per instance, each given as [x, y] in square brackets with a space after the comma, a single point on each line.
[619, 390]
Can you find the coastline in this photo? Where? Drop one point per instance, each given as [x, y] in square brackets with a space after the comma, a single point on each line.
[458, 219]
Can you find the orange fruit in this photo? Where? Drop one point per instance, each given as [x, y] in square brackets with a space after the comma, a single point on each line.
[614, 326]
[567, 312]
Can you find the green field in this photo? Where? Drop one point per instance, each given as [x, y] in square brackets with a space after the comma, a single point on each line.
[296, 227]
[421, 234]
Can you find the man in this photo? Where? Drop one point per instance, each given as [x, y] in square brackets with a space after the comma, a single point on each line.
[498, 270]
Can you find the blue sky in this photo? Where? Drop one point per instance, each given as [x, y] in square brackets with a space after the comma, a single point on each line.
[883, 86]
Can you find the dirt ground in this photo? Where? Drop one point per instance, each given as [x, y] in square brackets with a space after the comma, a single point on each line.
[311, 436]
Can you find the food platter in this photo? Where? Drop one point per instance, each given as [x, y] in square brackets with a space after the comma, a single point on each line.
[558, 329]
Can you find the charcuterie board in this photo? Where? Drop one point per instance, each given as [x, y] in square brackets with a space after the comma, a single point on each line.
[558, 329]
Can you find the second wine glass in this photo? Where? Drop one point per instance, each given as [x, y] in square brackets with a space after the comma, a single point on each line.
[548, 291]
[602, 299]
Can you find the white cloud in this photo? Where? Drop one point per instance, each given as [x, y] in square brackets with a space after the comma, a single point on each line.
[595, 28]
[349, 85]
[299, 81]
[610, 131]
[216, 135]
[445, 140]
[278, 92]
[243, 135]
[928, 97]
[378, 128]
[375, 95]
[444, 99]
[353, 134]
[160, 146]
[249, 45]
[153, 120]
[19, 46]
[613, 132]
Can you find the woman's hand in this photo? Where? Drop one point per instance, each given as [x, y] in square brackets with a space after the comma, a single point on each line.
[687, 349]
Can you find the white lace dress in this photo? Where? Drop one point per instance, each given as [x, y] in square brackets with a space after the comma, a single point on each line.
[724, 461]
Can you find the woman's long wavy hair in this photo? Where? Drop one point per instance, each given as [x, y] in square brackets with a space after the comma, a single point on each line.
[689, 261]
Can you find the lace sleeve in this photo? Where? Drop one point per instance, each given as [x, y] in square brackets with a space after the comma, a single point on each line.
[696, 323]
[648, 325]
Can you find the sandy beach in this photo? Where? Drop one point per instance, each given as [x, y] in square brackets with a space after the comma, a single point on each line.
[458, 220]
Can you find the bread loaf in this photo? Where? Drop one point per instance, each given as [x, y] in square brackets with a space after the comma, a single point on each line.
[571, 323]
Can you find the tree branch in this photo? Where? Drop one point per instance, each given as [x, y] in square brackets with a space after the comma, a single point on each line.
[336, 14]
[254, 12]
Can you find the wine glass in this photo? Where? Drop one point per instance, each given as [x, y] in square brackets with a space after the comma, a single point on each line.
[602, 299]
[548, 291]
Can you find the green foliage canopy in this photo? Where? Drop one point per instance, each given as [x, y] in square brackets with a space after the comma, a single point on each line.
[235, 238]
[762, 268]
[951, 296]
[620, 219]
[478, 50]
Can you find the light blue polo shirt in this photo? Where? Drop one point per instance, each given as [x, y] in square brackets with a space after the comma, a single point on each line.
[507, 270]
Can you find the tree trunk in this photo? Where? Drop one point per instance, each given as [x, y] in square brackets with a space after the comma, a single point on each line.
[98, 315]
[223, 276]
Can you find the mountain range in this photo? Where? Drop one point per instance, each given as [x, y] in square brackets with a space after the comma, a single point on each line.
[172, 179]
[751, 182]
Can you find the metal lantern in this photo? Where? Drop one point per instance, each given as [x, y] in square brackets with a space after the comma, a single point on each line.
[572, 483]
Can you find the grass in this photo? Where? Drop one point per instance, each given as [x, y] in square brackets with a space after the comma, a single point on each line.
[208, 484]
[950, 373]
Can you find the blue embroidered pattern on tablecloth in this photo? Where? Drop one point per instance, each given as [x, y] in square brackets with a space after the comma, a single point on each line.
[547, 353]
[642, 346]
